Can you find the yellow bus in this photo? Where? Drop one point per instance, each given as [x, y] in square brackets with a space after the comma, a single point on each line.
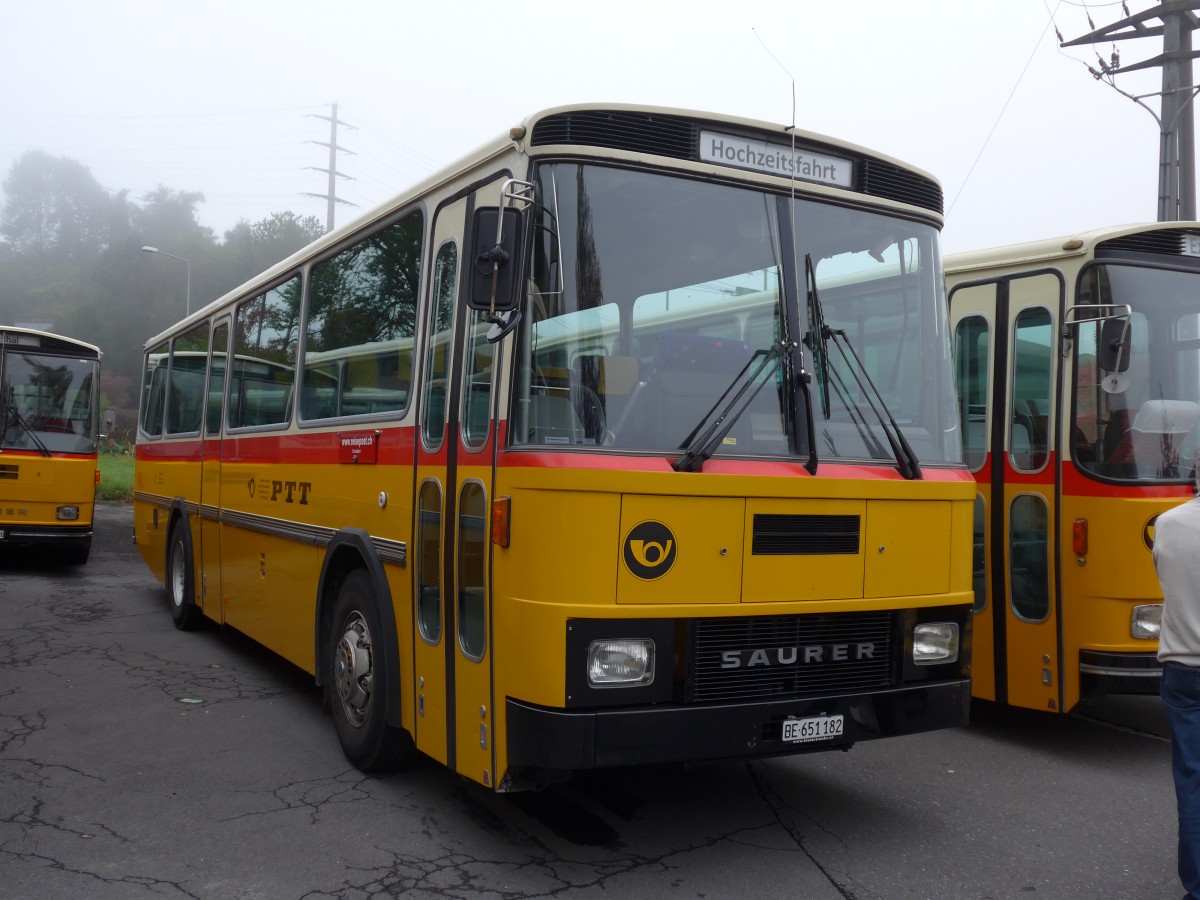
[628, 439]
[49, 407]
[1078, 370]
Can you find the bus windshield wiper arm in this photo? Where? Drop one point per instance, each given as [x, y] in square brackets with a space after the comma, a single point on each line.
[703, 441]
[906, 459]
[11, 415]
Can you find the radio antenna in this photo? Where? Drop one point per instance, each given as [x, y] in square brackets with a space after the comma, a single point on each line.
[785, 71]
[797, 345]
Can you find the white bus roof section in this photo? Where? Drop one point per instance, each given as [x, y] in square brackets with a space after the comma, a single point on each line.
[1033, 252]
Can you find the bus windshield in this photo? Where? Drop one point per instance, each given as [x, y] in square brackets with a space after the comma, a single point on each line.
[1143, 424]
[48, 403]
[649, 295]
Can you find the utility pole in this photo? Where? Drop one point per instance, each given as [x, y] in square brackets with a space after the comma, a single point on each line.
[330, 196]
[1176, 118]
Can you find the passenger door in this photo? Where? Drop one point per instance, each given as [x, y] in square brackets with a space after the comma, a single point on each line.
[1017, 523]
[454, 476]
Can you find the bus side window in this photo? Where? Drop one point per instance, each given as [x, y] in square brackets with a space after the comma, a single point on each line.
[1029, 438]
[1029, 568]
[362, 314]
[152, 420]
[265, 357]
[477, 399]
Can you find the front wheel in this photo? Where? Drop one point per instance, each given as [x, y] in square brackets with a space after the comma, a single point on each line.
[181, 584]
[357, 689]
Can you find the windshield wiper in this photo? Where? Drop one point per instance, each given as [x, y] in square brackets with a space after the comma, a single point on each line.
[703, 441]
[906, 459]
[820, 351]
[12, 417]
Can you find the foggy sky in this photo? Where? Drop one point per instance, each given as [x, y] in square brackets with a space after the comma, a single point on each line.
[224, 98]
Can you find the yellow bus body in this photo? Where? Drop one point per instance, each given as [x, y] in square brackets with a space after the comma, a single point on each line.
[277, 482]
[1099, 494]
[49, 422]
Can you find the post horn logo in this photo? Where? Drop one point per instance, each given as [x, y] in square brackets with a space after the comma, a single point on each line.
[649, 550]
[1148, 533]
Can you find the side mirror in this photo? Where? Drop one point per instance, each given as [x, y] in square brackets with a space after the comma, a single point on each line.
[496, 259]
[1114, 345]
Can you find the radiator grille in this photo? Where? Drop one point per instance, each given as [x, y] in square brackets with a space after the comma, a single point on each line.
[9, 472]
[762, 676]
[789, 535]
[678, 138]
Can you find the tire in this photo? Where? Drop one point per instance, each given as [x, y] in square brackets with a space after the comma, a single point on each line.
[356, 691]
[181, 581]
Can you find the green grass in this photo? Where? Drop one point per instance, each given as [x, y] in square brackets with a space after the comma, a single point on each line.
[116, 477]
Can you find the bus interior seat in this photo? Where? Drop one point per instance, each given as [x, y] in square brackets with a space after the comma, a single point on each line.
[552, 418]
[1085, 451]
[1117, 443]
[688, 375]
[1020, 445]
[1029, 444]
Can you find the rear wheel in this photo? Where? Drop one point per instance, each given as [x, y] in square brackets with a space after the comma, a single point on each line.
[181, 585]
[357, 689]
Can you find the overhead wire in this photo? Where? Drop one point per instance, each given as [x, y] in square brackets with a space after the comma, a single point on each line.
[1011, 94]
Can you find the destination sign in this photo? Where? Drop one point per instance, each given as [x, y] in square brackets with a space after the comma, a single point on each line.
[775, 159]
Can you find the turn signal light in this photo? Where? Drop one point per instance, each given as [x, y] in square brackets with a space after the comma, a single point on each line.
[501, 511]
[1079, 537]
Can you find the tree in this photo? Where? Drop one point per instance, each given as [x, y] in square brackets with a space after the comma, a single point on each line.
[54, 206]
[170, 217]
[253, 248]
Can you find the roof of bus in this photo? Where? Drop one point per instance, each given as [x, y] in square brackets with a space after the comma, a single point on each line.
[1079, 244]
[84, 345]
[514, 140]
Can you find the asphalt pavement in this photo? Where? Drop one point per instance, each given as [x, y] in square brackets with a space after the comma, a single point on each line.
[137, 761]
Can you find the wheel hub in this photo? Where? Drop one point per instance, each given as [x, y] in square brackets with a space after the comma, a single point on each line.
[352, 674]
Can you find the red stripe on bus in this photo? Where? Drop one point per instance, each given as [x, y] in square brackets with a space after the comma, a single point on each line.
[1076, 484]
[396, 448]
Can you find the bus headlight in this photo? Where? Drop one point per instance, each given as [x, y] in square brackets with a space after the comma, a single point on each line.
[621, 663]
[67, 513]
[1146, 621]
[935, 642]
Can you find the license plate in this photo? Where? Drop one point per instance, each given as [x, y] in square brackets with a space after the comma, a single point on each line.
[816, 728]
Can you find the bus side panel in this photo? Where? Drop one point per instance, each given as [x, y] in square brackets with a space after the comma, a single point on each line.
[150, 535]
[282, 499]
[1116, 574]
[166, 472]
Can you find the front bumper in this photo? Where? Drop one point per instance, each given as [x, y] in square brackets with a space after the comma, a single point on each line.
[557, 739]
[1101, 672]
[43, 535]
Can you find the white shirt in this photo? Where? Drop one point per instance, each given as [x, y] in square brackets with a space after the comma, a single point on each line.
[1177, 560]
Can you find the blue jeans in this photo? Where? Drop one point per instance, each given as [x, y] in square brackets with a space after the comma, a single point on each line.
[1181, 695]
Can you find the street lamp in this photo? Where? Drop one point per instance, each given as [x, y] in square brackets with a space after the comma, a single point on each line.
[189, 272]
